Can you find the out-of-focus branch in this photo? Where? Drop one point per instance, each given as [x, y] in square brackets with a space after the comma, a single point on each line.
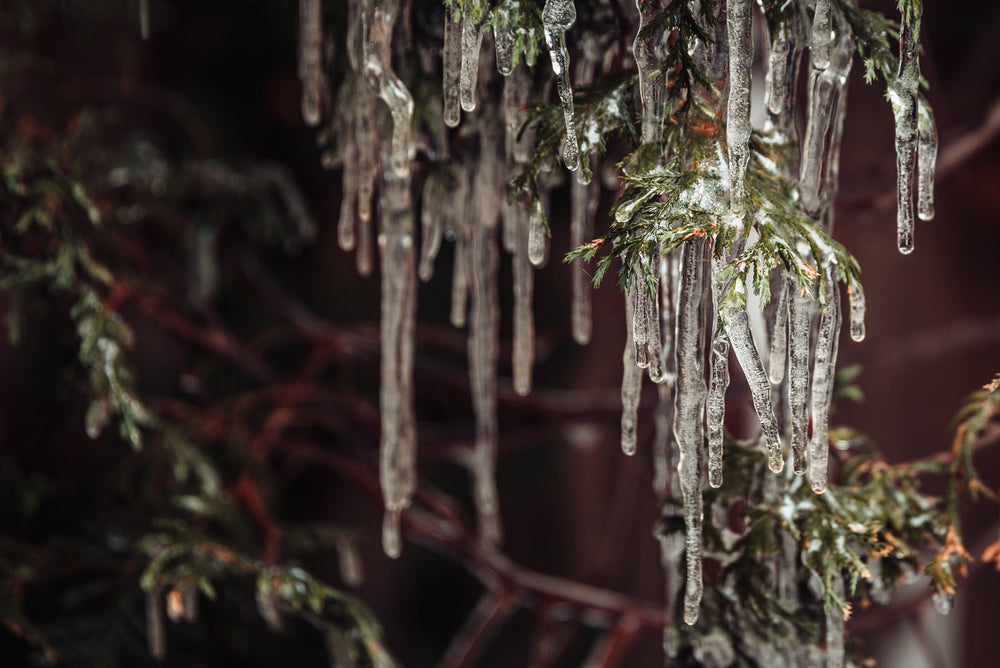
[480, 627]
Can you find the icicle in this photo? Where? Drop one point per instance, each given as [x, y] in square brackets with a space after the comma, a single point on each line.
[825, 90]
[363, 254]
[835, 627]
[903, 96]
[782, 73]
[311, 59]
[144, 19]
[823, 372]
[351, 570]
[483, 346]
[558, 16]
[503, 36]
[715, 408]
[640, 316]
[926, 157]
[779, 336]
[663, 450]
[392, 539]
[649, 52]
[156, 640]
[584, 198]
[800, 306]
[452, 65]
[523, 355]
[432, 216]
[654, 344]
[388, 86]
[739, 20]
[689, 416]
[631, 380]
[472, 42]
[821, 43]
[943, 601]
[459, 284]
[857, 302]
[398, 434]
[520, 145]
[537, 236]
[349, 194]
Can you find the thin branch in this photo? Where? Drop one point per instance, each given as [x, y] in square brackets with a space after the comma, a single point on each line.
[611, 647]
[480, 627]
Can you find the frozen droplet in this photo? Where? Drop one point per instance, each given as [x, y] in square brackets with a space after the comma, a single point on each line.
[451, 56]
[472, 42]
[926, 157]
[558, 16]
[311, 59]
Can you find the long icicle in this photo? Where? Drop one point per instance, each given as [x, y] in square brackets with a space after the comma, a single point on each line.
[823, 374]
[738, 21]
[451, 56]
[311, 59]
[715, 405]
[558, 16]
[631, 381]
[472, 42]
[903, 96]
[583, 207]
[689, 417]
[523, 354]
[800, 307]
[926, 157]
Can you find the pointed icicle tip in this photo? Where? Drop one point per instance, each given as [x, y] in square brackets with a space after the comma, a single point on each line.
[392, 541]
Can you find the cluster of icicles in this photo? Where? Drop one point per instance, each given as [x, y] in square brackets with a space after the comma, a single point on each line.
[675, 330]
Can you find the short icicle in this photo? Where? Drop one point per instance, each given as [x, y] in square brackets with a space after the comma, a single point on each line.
[537, 235]
[689, 417]
[472, 42]
[856, 295]
[432, 214]
[558, 16]
[926, 158]
[739, 19]
[800, 308]
[824, 367]
[503, 36]
[640, 316]
[903, 96]
[631, 381]
[311, 59]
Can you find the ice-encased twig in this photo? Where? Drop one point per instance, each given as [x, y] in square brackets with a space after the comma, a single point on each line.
[800, 309]
[631, 380]
[311, 59]
[689, 416]
[451, 56]
[738, 21]
[824, 367]
[558, 16]
[472, 42]
[903, 97]
[926, 158]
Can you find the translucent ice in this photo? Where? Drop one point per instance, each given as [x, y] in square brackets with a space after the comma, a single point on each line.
[558, 16]
[311, 59]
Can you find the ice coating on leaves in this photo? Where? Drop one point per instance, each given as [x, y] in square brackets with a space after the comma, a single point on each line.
[857, 305]
[715, 406]
[835, 627]
[451, 56]
[824, 367]
[558, 16]
[689, 417]
[311, 59]
[631, 381]
[483, 348]
[472, 42]
[826, 87]
[523, 354]
[926, 157]
[649, 52]
[779, 336]
[903, 97]
[583, 203]
[398, 438]
[740, 17]
[537, 237]
[800, 308]
[388, 86]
